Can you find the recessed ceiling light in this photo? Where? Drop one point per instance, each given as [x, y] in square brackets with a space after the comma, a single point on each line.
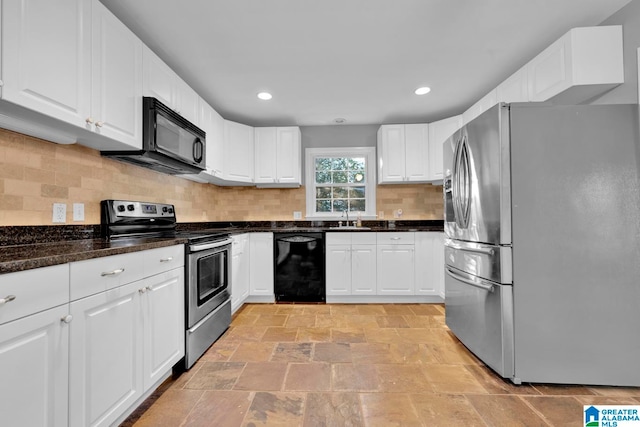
[265, 96]
[339, 120]
[423, 90]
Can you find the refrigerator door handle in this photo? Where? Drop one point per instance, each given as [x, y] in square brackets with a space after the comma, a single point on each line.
[480, 250]
[476, 283]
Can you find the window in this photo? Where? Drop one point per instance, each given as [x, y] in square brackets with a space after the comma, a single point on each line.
[339, 179]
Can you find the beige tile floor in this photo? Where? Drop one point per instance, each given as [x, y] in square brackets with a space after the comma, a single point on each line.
[356, 365]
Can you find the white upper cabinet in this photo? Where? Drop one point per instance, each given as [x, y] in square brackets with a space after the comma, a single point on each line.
[403, 153]
[277, 157]
[72, 61]
[438, 133]
[46, 57]
[238, 153]
[579, 65]
[187, 102]
[159, 81]
[162, 83]
[213, 124]
[116, 97]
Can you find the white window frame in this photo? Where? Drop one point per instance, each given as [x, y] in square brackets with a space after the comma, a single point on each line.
[369, 153]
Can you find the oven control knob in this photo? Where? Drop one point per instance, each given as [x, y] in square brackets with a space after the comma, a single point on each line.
[130, 207]
[120, 208]
[170, 210]
[165, 209]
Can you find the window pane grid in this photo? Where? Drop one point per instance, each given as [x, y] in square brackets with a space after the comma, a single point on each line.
[340, 184]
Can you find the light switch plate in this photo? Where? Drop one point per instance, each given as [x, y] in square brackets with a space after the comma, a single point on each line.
[78, 211]
[297, 215]
[59, 212]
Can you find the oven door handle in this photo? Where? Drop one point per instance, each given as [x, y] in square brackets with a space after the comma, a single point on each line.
[204, 246]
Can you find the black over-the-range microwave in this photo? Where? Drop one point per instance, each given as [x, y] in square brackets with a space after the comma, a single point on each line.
[170, 143]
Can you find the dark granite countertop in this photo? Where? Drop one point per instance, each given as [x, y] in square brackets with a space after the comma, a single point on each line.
[28, 247]
[35, 255]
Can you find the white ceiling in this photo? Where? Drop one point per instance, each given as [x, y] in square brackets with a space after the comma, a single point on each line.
[356, 59]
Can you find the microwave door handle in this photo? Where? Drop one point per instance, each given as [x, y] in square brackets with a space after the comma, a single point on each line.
[198, 150]
[478, 284]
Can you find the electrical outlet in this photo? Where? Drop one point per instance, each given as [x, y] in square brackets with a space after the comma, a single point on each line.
[78, 211]
[297, 215]
[59, 212]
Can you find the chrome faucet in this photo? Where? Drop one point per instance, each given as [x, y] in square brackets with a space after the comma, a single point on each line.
[346, 212]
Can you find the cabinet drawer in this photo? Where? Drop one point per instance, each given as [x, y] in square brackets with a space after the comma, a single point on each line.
[363, 238]
[338, 238]
[101, 274]
[395, 238]
[163, 259]
[34, 291]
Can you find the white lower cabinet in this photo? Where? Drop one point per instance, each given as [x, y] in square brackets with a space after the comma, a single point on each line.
[106, 355]
[261, 266]
[429, 266]
[385, 266]
[34, 347]
[34, 354]
[240, 268]
[351, 263]
[395, 270]
[363, 269]
[164, 330]
[126, 339]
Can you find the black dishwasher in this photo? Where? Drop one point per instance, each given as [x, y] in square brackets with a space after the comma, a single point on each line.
[299, 267]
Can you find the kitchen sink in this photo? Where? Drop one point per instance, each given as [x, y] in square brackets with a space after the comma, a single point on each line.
[350, 227]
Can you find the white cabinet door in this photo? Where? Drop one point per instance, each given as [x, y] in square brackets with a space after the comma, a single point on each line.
[238, 152]
[277, 156]
[438, 133]
[429, 248]
[187, 102]
[163, 307]
[261, 260]
[416, 152]
[240, 269]
[266, 155]
[34, 354]
[391, 154]
[338, 269]
[46, 57]
[363, 270]
[288, 155]
[582, 63]
[116, 89]
[106, 344]
[213, 124]
[395, 270]
[159, 80]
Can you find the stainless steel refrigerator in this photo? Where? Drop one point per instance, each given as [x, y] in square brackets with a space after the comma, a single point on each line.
[542, 255]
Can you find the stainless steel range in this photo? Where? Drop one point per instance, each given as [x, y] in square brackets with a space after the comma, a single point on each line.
[207, 266]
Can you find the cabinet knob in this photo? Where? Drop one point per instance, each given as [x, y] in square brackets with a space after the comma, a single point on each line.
[89, 120]
[99, 124]
[168, 259]
[67, 319]
[142, 290]
[7, 299]
[112, 273]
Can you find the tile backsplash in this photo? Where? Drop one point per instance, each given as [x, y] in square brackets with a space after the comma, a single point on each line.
[35, 173]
